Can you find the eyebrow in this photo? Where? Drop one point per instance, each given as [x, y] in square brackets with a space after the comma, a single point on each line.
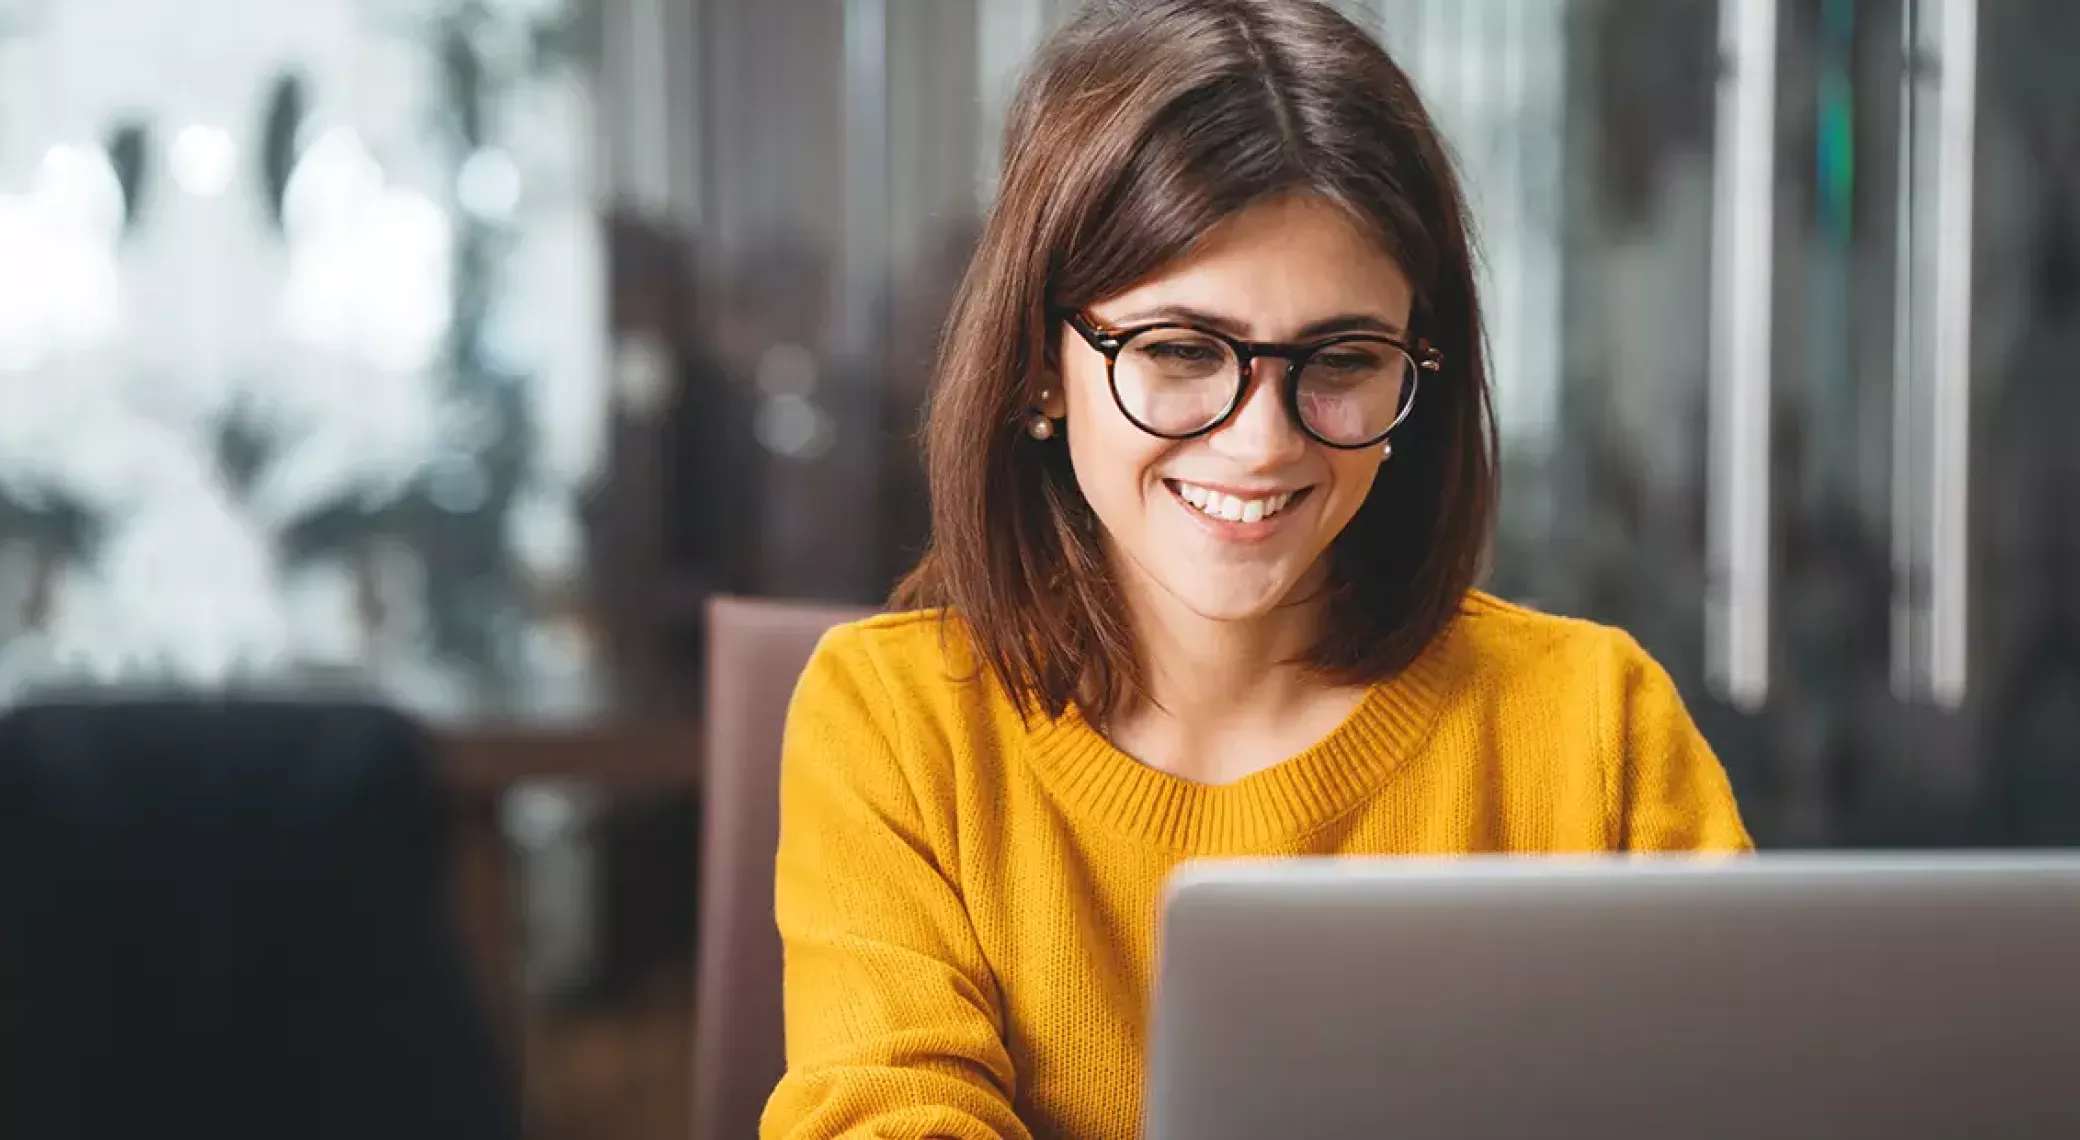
[1313, 330]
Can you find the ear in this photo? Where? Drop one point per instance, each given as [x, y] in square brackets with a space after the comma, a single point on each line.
[1052, 379]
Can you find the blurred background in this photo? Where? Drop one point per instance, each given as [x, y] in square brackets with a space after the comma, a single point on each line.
[461, 350]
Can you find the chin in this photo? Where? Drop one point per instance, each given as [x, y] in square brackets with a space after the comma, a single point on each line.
[1241, 604]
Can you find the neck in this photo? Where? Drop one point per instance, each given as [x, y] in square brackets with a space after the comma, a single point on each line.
[1206, 678]
[1204, 672]
[1225, 698]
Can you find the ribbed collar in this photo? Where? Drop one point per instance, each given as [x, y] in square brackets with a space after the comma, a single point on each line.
[1094, 779]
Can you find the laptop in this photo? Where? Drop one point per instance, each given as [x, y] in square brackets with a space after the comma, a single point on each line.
[1852, 997]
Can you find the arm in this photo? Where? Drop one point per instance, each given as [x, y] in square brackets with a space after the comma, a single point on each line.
[894, 1029]
[1668, 791]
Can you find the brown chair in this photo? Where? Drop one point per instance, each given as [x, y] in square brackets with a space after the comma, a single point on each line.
[756, 651]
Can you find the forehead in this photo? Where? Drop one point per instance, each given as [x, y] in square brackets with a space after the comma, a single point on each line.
[1277, 266]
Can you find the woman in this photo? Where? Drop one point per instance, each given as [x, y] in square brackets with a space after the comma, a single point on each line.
[1200, 584]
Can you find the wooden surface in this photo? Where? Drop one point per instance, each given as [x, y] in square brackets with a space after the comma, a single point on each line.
[656, 752]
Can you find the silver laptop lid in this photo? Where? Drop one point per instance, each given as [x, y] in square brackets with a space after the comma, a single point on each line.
[1849, 997]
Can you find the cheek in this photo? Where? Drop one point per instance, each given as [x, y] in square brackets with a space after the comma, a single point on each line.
[1086, 392]
[1353, 473]
[1113, 459]
[1106, 450]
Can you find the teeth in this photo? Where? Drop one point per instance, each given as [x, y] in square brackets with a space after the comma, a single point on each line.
[1224, 506]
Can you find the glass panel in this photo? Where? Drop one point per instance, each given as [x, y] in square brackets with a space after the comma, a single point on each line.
[301, 348]
[1596, 149]
[1610, 499]
[1587, 142]
[1837, 396]
[2019, 730]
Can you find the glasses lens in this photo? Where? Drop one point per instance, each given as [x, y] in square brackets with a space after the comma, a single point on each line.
[1175, 381]
[1356, 391]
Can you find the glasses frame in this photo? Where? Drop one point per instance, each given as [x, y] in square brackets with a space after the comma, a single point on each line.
[1110, 342]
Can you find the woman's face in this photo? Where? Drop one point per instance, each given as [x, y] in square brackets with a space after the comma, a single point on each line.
[1283, 271]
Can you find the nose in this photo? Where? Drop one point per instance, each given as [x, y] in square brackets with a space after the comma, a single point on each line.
[1261, 435]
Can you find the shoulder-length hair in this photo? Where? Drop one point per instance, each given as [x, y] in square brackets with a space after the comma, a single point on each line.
[1141, 126]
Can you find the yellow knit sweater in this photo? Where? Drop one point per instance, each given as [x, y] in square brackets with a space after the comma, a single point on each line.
[969, 905]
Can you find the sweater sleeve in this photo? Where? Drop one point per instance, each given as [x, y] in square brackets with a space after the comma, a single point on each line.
[1669, 791]
[894, 1027]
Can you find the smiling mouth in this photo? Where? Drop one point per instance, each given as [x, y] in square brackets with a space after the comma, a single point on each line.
[1231, 508]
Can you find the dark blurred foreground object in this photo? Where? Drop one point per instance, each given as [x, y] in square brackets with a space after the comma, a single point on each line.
[231, 919]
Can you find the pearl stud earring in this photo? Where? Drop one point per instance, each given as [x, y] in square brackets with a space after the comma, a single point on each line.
[1038, 425]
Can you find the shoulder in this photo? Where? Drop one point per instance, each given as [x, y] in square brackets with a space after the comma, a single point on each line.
[897, 653]
[1524, 648]
[1605, 706]
[913, 674]
[894, 710]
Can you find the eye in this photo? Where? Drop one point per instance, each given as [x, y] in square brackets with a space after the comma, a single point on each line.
[1184, 352]
[1177, 354]
[1348, 360]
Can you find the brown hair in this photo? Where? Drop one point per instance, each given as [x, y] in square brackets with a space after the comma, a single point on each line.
[1142, 125]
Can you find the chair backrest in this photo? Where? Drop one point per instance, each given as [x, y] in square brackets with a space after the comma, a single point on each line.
[230, 919]
[756, 651]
